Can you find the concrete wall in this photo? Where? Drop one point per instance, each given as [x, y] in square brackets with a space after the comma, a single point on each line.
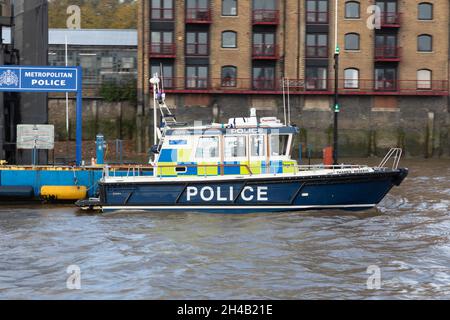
[420, 125]
[115, 120]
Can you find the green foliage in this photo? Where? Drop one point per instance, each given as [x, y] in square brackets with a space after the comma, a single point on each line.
[115, 92]
[95, 14]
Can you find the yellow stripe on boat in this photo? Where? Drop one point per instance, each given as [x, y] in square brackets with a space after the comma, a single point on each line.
[64, 192]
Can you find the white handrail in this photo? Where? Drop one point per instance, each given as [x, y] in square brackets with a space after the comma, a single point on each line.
[396, 154]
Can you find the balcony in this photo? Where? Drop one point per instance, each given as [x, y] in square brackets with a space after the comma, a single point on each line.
[387, 54]
[162, 50]
[311, 86]
[265, 52]
[160, 14]
[266, 17]
[262, 84]
[317, 17]
[198, 15]
[317, 52]
[390, 20]
[197, 83]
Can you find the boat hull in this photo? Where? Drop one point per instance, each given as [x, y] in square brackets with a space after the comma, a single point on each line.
[358, 191]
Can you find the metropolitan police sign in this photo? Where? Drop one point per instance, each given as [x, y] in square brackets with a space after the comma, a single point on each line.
[39, 79]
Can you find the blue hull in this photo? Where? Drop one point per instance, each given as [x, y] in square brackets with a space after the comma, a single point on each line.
[249, 195]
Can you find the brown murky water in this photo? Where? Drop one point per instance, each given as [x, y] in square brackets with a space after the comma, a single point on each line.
[313, 255]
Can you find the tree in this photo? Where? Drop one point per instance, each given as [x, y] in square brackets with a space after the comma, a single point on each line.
[95, 14]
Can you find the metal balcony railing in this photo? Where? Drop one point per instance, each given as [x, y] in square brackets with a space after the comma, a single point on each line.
[162, 50]
[390, 19]
[265, 51]
[197, 83]
[387, 53]
[261, 16]
[264, 85]
[198, 15]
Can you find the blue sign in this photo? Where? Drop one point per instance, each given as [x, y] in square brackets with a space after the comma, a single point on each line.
[47, 79]
[39, 79]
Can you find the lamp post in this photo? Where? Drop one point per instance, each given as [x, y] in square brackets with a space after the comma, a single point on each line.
[336, 108]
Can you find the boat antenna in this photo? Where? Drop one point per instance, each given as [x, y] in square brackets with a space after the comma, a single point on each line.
[155, 82]
[284, 101]
[289, 101]
[162, 76]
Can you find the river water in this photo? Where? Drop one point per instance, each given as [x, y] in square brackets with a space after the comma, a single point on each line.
[309, 255]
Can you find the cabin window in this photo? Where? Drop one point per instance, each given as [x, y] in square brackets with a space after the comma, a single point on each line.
[257, 146]
[278, 145]
[208, 147]
[235, 147]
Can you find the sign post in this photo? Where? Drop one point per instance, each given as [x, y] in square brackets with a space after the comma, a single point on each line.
[47, 79]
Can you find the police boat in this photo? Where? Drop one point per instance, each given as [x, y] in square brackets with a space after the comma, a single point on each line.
[243, 166]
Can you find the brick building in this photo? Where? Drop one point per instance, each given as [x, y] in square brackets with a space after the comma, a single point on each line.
[218, 56]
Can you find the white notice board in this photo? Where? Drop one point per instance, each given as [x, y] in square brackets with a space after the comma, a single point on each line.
[35, 136]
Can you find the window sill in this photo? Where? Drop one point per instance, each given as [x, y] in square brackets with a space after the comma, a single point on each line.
[426, 52]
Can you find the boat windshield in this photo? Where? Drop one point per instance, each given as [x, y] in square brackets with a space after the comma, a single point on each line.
[235, 147]
[278, 145]
[208, 147]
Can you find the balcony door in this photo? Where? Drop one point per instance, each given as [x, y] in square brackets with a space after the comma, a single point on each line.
[389, 11]
[385, 79]
[162, 42]
[386, 46]
[264, 44]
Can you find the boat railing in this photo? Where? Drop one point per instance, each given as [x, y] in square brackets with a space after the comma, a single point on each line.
[210, 169]
[394, 155]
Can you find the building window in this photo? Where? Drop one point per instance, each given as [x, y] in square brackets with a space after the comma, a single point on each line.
[317, 11]
[425, 43]
[316, 78]
[229, 74]
[388, 9]
[229, 39]
[197, 10]
[385, 79]
[229, 7]
[424, 79]
[164, 71]
[316, 45]
[264, 4]
[196, 77]
[197, 43]
[352, 10]
[352, 41]
[264, 44]
[162, 42]
[425, 11]
[162, 10]
[351, 76]
[263, 78]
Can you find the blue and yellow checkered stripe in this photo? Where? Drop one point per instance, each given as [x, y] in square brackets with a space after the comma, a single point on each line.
[170, 159]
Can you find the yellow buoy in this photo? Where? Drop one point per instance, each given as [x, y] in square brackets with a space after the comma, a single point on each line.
[64, 192]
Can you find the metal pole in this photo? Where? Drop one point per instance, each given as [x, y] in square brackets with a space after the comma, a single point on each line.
[336, 86]
[336, 109]
[79, 131]
[67, 95]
